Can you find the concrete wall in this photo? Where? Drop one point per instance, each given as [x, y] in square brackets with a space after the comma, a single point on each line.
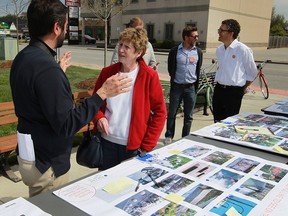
[161, 12]
[253, 15]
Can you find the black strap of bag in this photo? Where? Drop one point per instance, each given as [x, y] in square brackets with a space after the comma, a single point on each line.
[89, 153]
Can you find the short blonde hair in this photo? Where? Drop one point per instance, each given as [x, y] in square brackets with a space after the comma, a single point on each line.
[137, 36]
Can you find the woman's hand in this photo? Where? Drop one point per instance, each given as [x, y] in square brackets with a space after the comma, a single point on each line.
[64, 61]
[155, 66]
[102, 125]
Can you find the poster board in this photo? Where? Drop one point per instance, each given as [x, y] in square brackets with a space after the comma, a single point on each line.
[187, 177]
[276, 142]
[279, 108]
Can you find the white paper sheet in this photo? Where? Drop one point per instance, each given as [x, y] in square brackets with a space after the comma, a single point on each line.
[20, 206]
[25, 146]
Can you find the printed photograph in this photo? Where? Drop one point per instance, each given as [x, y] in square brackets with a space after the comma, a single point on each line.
[218, 157]
[199, 169]
[274, 128]
[242, 206]
[147, 174]
[195, 151]
[255, 188]
[282, 133]
[242, 122]
[201, 195]
[283, 108]
[174, 210]
[174, 161]
[283, 147]
[173, 184]
[261, 139]
[228, 132]
[271, 173]
[269, 120]
[243, 164]
[252, 117]
[139, 203]
[225, 178]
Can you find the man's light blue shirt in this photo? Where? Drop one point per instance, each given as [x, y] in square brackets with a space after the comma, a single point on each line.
[186, 65]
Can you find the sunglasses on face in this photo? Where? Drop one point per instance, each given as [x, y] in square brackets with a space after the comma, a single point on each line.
[222, 30]
[194, 36]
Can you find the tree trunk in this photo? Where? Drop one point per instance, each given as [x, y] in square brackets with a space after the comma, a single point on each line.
[105, 42]
[17, 33]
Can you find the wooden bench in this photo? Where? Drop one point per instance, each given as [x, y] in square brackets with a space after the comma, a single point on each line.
[8, 143]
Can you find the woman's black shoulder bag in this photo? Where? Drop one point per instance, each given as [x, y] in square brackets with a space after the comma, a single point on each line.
[89, 153]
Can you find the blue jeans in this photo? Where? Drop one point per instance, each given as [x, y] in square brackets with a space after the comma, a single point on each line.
[188, 95]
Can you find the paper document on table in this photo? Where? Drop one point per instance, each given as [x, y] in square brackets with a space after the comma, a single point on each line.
[20, 206]
[25, 146]
[252, 130]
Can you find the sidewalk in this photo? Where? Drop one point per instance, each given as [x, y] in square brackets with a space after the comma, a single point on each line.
[251, 103]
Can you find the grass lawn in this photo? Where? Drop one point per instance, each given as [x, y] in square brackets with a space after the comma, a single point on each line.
[74, 74]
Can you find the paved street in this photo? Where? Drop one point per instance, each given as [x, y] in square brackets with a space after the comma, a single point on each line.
[275, 72]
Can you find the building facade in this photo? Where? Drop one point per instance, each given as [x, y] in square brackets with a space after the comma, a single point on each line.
[165, 19]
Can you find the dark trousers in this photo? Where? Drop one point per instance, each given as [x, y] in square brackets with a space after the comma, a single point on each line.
[188, 95]
[226, 102]
[114, 154]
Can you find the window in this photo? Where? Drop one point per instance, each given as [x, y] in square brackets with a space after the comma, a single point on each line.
[150, 31]
[169, 31]
[119, 2]
[191, 24]
[134, 1]
[151, 0]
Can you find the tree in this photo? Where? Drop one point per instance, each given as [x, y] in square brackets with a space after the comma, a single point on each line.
[16, 8]
[278, 24]
[105, 10]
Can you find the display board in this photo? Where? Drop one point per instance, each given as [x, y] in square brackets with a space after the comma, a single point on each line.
[184, 178]
[280, 108]
[261, 131]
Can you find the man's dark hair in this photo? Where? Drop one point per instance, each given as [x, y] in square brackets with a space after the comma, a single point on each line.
[187, 31]
[233, 26]
[43, 14]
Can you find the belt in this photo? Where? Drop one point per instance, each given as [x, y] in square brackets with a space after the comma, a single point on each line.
[228, 86]
[188, 85]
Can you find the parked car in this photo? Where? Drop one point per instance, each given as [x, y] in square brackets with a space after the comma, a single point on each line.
[89, 40]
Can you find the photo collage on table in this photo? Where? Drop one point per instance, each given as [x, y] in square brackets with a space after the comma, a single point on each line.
[261, 131]
[183, 178]
[206, 179]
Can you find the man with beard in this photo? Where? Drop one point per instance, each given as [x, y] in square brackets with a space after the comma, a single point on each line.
[47, 118]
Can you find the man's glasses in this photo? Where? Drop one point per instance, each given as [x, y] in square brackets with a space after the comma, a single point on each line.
[194, 36]
[222, 30]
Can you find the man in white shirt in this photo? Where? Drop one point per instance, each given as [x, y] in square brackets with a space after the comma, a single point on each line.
[236, 71]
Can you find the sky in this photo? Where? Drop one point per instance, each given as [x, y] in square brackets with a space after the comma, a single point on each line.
[280, 5]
